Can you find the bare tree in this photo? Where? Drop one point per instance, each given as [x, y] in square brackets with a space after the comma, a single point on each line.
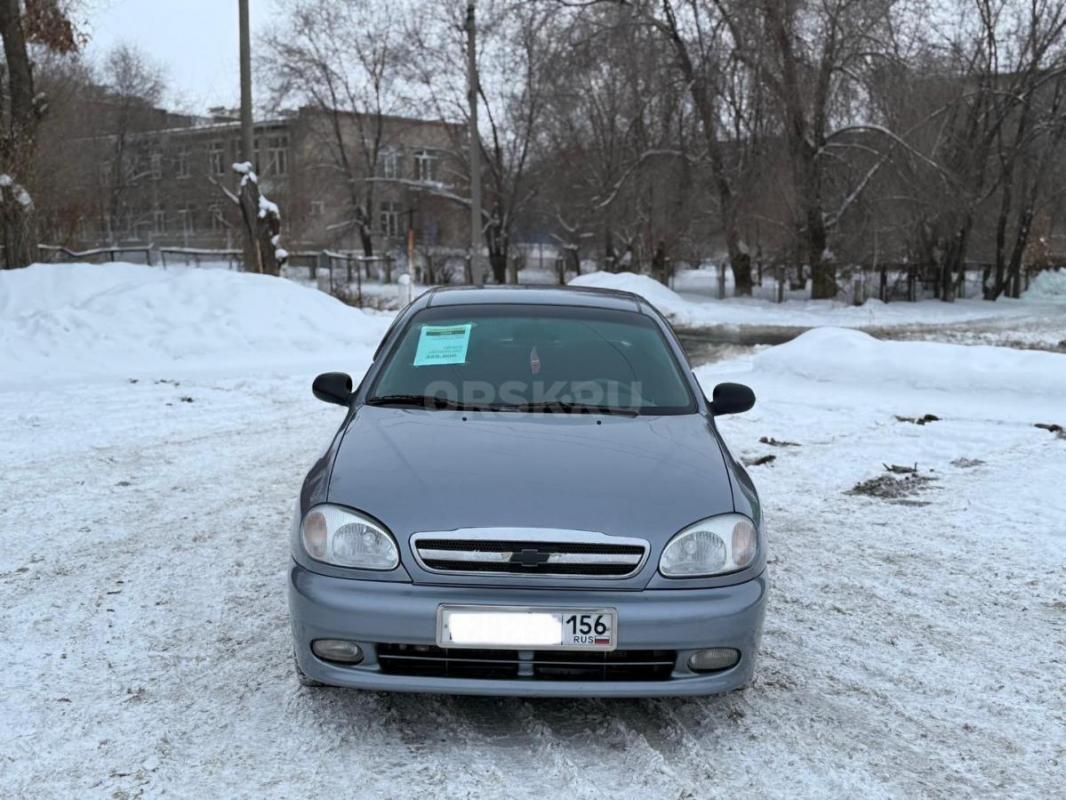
[518, 43]
[614, 163]
[1034, 99]
[698, 44]
[980, 108]
[134, 85]
[343, 56]
[42, 22]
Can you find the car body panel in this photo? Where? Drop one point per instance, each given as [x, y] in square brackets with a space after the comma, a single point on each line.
[325, 607]
[416, 470]
[532, 295]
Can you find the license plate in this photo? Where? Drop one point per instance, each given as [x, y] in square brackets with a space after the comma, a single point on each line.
[518, 628]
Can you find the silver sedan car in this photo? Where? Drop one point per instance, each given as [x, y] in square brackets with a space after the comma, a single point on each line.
[528, 496]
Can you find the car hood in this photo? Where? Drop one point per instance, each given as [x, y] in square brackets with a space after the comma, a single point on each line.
[419, 470]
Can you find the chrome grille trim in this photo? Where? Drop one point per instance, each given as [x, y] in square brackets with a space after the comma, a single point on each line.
[553, 558]
[564, 553]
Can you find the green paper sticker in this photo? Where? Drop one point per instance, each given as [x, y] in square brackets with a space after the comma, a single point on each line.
[442, 344]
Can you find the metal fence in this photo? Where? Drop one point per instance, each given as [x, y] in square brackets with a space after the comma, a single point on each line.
[51, 252]
[857, 284]
[347, 274]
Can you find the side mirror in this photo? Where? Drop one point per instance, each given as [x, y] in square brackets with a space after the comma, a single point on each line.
[731, 398]
[333, 387]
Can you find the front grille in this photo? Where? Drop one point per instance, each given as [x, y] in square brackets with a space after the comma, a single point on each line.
[548, 665]
[572, 554]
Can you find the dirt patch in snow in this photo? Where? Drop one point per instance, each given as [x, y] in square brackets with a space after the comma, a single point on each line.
[922, 420]
[893, 489]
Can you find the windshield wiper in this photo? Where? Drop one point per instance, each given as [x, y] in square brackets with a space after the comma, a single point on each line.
[556, 406]
[413, 400]
[567, 407]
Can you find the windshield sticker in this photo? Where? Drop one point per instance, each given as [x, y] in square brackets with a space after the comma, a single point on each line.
[442, 344]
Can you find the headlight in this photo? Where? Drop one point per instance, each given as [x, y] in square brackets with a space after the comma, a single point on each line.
[347, 539]
[712, 546]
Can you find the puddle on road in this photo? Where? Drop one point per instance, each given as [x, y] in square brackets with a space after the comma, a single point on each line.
[724, 342]
[710, 345]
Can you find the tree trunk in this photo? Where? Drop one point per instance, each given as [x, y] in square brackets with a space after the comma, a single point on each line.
[823, 271]
[703, 100]
[261, 229]
[955, 260]
[17, 225]
[992, 292]
[249, 204]
[498, 261]
[740, 261]
[574, 257]
[1014, 272]
[18, 142]
[253, 252]
[610, 254]
[496, 240]
[366, 239]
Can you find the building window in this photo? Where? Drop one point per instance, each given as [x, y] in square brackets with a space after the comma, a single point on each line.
[277, 154]
[187, 219]
[430, 232]
[156, 166]
[183, 164]
[318, 209]
[389, 215]
[389, 163]
[426, 166]
[217, 223]
[218, 158]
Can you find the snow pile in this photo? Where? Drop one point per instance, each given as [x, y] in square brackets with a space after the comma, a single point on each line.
[666, 300]
[18, 190]
[706, 312]
[838, 368]
[58, 321]
[1049, 285]
[838, 355]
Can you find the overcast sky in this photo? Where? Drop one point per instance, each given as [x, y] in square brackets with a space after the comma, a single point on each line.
[194, 40]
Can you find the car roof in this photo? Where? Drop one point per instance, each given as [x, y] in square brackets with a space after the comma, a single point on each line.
[533, 295]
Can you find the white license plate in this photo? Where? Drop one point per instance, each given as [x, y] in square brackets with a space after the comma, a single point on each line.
[512, 627]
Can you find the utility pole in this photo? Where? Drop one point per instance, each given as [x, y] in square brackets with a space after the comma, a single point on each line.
[475, 145]
[251, 245]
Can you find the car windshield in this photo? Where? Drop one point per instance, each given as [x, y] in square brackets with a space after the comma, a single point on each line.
[534, 358]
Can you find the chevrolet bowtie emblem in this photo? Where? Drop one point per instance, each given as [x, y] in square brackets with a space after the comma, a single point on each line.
[529, 558]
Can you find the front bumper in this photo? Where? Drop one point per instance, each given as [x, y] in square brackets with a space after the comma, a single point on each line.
[372, 612]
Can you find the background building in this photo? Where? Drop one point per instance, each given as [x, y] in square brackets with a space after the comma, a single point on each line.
[160, 178]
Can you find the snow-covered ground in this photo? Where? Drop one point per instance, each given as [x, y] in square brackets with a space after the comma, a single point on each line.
[1038, 319]
[156, 430]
